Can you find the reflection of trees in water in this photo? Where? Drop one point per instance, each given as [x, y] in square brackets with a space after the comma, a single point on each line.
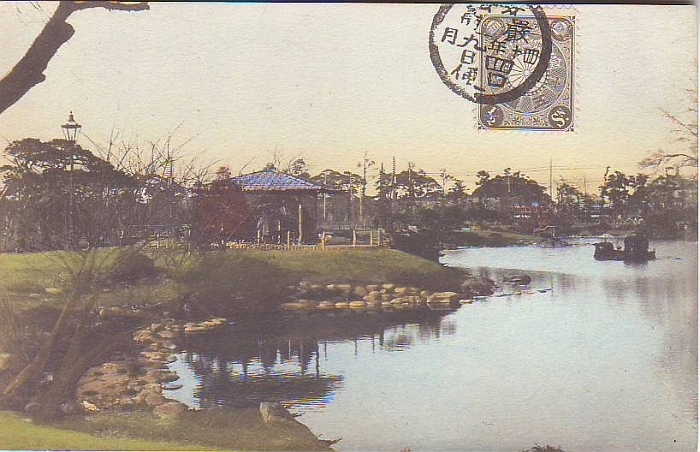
[540, 279]
[249, 382]
[279, 357]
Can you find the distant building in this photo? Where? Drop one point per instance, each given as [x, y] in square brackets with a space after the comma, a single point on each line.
[284, 206]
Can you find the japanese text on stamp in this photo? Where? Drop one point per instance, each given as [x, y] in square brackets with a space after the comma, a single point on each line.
[514, 61]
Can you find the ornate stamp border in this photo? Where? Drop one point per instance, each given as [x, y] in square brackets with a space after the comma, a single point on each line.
[516, 62]
[549, 105]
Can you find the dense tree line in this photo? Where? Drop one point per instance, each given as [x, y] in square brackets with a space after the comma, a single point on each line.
[666, 206]
[57, 195]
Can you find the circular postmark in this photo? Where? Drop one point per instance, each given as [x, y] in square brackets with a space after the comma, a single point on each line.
[490, 53]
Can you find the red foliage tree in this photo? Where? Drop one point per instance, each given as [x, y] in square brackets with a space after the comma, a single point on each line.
[221, 212]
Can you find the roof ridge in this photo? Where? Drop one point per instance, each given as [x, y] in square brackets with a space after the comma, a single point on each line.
[267, 179]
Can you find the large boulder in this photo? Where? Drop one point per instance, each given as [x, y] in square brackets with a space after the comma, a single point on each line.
[400, 290]
[154, 400]
[374, 295]
[360, 291]
[170, 409]
[476, 285]
[274, 412]
[443, 297]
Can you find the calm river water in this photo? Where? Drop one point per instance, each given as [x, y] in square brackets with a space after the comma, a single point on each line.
[592, 356]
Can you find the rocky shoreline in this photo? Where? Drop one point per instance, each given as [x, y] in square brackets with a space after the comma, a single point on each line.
[139, 380]
[308, 296]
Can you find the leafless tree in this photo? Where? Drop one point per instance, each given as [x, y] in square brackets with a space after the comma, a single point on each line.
[166, 176]
[29, 70]
[685, 125]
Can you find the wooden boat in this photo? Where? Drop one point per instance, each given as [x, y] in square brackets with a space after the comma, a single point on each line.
[521, 280]
[636, 250]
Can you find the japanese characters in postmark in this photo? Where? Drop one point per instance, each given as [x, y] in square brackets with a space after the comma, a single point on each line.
[514, 61]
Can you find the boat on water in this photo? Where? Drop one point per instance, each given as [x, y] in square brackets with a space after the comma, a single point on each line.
[636, 250]
[521, 280]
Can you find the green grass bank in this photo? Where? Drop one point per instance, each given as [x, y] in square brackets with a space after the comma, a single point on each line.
[34, 285]
[17, 432]
[35, 281]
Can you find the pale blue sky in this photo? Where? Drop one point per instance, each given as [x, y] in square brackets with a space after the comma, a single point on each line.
[330, 81]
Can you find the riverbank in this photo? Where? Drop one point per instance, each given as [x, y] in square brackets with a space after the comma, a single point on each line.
[199, 286]
[240, 429]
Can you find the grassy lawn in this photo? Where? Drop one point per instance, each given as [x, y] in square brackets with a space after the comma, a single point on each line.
[33, 280]
[214, 277]
[376, 265]
[217, 429]
[27, 276]
[17, 433]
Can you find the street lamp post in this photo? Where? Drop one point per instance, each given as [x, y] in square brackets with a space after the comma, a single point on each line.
[71, 130]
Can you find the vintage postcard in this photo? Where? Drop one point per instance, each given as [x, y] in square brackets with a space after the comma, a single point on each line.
[351, 227]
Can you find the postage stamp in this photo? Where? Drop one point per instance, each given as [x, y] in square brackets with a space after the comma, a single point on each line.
[514, 61]
[546, 106]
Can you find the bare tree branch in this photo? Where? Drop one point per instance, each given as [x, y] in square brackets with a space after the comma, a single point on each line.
[112, 6]
[691, 127]
[659, 159]
[29, 71]
[685, 131]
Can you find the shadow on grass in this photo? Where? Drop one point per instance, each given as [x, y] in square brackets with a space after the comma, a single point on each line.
[221, 428]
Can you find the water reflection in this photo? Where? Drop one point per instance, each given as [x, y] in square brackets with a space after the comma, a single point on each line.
[590, 356]
[250, 382]
[280, 357]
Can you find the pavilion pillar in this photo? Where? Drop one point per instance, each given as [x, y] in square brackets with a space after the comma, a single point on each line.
[301, 225]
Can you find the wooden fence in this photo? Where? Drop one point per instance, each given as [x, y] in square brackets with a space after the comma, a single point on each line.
[270, 246]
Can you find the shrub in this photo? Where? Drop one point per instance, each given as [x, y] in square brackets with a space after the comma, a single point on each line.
[130, 266]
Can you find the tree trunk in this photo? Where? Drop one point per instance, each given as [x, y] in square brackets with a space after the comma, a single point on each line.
[63, 386]
[31, 373]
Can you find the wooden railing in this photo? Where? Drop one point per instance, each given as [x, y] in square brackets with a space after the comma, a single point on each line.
[270, 246]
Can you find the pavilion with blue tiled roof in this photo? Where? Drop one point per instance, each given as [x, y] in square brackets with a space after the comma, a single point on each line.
[275, 181]
[285, 206]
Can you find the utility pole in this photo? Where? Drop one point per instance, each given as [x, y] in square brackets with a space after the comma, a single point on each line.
[325, 184]
[392, 193]
[382, 193]
[410, 188]
[350, 201]
[366, 163]
[551, 193]
[443, 173]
